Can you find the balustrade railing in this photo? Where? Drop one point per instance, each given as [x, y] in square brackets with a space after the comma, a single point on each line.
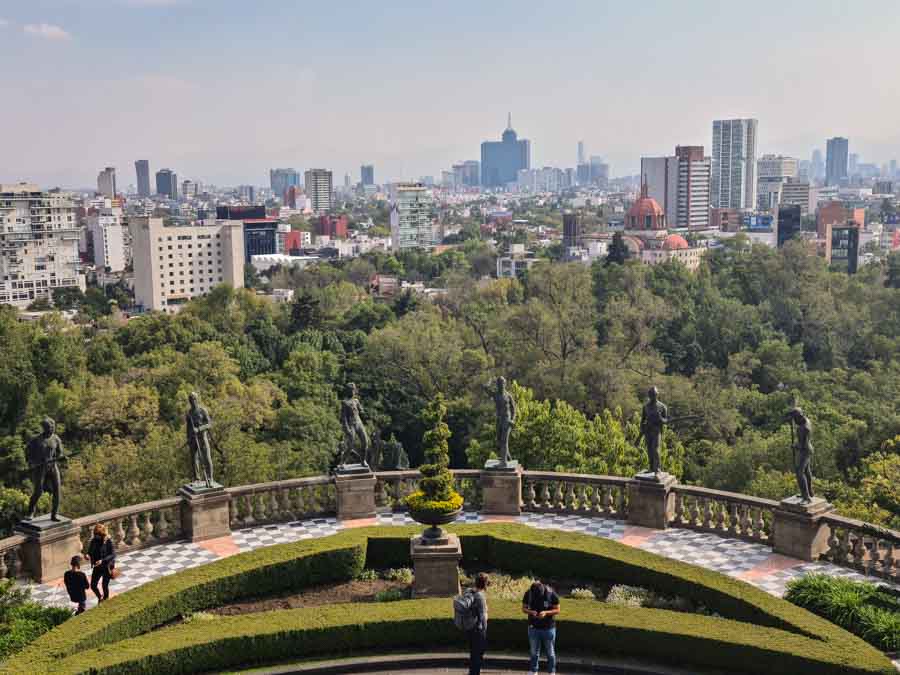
[281, 501]
[392, 486]
[551, 492]
[724, 513]
[135, 527]
[868, 548]
[11, 566]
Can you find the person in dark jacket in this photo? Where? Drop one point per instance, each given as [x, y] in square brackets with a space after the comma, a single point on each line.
[478, 635]
[76, 584]
[103, 559]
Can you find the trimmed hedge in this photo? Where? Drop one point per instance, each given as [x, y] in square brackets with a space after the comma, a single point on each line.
[585, 626]
[774, 631]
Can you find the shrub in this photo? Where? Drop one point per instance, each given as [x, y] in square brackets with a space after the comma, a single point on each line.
[505, 587]
[23, 621]
[435, 495]
[367, 575]
[861, 607]
[403, 575]
[582, 594]
[391, 595]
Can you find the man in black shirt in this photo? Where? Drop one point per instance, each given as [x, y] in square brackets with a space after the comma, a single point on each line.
[76, 584]
[541, 604]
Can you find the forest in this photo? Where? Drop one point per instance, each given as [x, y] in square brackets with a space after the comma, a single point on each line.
[735, 345]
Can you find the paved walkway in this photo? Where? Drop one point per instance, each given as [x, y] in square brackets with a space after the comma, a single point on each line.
[754, 563]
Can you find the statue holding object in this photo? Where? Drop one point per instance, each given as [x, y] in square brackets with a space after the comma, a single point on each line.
[355, 445]
[44, 453]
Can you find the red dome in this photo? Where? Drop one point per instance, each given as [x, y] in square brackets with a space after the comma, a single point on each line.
[645, 213]
[675, 242]
[645, 206]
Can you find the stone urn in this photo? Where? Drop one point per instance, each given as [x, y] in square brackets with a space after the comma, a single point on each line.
[434, 519]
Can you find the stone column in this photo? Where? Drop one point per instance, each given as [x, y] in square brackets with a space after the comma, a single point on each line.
[436, 566]
[651, 502]
[798, 528]
[501, 488]
[355, 493]
[204, 512]
[50, 546]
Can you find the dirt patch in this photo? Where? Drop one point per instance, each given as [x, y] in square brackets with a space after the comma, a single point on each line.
[350, 591]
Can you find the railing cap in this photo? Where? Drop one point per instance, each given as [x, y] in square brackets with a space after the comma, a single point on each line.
[126, 511]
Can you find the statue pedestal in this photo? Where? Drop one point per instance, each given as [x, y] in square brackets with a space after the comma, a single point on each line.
[436, 566]
[355, 485]
[501, 488]
[651, 502]
[204, 511]
[798, 530]
[50, 546]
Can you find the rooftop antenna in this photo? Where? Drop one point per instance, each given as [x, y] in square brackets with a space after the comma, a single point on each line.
[509, 120]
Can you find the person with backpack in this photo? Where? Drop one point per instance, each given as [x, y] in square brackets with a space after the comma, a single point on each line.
[470, 615]
[76, 584]
[541, 604]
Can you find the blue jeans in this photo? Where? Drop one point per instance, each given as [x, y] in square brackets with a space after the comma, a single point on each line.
[542, 640]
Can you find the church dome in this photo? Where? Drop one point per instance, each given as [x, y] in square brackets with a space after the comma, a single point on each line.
[645, 213]
[675, 242]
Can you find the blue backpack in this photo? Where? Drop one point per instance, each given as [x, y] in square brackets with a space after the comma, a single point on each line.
[464, 616]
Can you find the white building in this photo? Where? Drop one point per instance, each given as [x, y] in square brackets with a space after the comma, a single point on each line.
[176, 263]
[188, 189]
[733, 178]
[263, 263]
[774, 171]
[797, 193]
[412, 217]
[106, 182]
[38, 244]
[106, 232]
[318, 186]
[680, 184]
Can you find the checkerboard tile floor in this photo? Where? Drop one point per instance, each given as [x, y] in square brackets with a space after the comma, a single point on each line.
[402, 518]
[776, 582]
[728, 556]
[599, 527]
[283, 533]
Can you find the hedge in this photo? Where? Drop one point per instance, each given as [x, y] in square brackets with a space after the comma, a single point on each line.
[585, 626]
[792, 633]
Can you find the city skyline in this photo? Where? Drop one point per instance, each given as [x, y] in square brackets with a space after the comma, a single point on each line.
[159, 65]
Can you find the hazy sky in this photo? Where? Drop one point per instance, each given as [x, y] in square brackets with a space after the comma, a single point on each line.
[222, 90]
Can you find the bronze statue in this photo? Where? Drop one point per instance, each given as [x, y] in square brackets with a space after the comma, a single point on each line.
[396, 458]
[355, 448]
[44, 452]
[506, 419]
[803, 449]
[654, 417]
[198, 423]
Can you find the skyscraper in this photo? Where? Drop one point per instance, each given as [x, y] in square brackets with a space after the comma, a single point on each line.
[142, 169]
[733, 172]
[167, 183]
[774, 171]
[790, 223]
[817, 166]
[599, 172]
[571, 230]
[680, 184]
[412, 218]
[580, 153]
[106, 182]
[281, 179]
[367, 174]
[836, 160]
[501, 161]
[318, 184]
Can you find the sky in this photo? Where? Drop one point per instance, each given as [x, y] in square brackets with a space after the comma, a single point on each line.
[222, 90]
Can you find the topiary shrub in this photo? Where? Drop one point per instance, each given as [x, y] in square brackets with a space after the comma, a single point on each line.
[435, 496]
[23, 621]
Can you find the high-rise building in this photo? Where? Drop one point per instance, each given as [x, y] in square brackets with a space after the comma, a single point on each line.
[799, 193]
[167, 183]
[367, 174]
[38, 244]
[188, 189]
[106, 182]
[332, 226]
[774, 171]
[852, 164]
[817, 166]
[680, 184]
[260, 232]
[571, 230]
[501, 161]
[319, 189]
[412, 218]
[108, 235]
[836, 160]
[246, 193]
[173, 264]
[733, 172]
[142, 169]
[583, 174]
[467, 174]
[790, 223]
[599, 174]
[290, 197]
[842, 248]
[580, 153]
[281, 179]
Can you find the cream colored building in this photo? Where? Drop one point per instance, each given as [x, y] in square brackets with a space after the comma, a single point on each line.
[108, 235]
[38, 244]
[176, 263]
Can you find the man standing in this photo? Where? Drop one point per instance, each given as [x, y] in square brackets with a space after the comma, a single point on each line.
[478, 634]
[541, 604]
[198, 423]
[43, 453]
[654, 417]
[804, 449]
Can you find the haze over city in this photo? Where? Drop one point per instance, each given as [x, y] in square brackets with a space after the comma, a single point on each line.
[225, 90]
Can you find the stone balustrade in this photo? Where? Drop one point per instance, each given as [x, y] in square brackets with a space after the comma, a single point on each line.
[281, 501]
[850, 543]
[551, 492]
[11, 557]
[725, 513]
[135, 527]
[870, 549]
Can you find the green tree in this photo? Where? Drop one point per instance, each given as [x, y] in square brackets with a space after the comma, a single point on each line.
[618, 252]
